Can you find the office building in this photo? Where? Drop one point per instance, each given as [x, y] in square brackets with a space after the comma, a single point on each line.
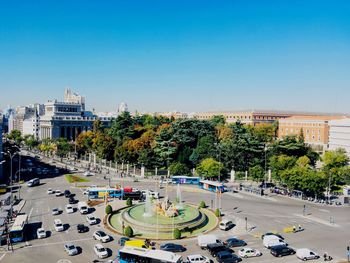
[339, 135]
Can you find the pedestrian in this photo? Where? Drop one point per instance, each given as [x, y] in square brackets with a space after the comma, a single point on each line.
[325, 256]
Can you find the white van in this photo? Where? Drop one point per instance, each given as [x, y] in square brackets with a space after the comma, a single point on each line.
[83, 208]
[226, 224]
[271, 241]
[198, 259]
[204, 240]
[306, 254]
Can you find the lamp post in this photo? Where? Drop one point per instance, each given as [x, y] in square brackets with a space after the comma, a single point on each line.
[265, 150]
[329, 188]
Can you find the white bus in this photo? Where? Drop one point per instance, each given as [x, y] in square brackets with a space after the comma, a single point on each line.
[17, 232]
[135, 254]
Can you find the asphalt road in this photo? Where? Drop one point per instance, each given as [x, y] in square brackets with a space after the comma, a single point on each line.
[264, 214]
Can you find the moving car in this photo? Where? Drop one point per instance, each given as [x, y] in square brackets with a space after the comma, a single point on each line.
[101, 236]
[226, 224]
[205, 240]
[227, 257]
[71, 200]
[88, 173]
[70, 249]
[171, 247]
[215, 248]
[41, 233]
[248, 252]
[235, 242]
[83, 207]
[281, 250]
[271, 240]
[50, 191]
[69, 209]
[56, 211]
[198, 259]
[82, 228]
[67, 193]
[306, 254]
[91, 219]
[100, 251]
[57, 223]
[122, 240]
[58, 193]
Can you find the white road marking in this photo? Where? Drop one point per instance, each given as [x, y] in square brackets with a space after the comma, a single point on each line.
[30, 213]
[3, 255]
[63, 242]
[324, 210]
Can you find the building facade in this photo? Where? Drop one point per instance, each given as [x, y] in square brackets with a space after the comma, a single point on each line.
[339, 135]
[1, 149]
[315, 129]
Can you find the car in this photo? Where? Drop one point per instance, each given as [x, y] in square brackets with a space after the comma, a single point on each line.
[82, 228]
[226, 224]
[272, 240]
[57, 223]
[101, 236]
[215, 248]
[272, 234]
[58, 193]
[50, 191]
[91, 219]
[122, 240]
[235, 242]
[69, 209]
[171, 247]
[306, 254]
[70, 249]
[88, 173]
[41, 233]
[248, 252]
[67, 193]
[71, 200]
[100, 251]
[56, 211]
[197, 258]
[227, 257]
[281, 250]
[86, 192]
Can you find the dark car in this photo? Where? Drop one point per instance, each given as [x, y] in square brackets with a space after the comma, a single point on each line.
[82, 228]
[272, 234]
[71, 200]
[215, 248]
[281, 250]
[235, 242]
[172, 247]
[67, 193]
[227, 257]
[122, 241]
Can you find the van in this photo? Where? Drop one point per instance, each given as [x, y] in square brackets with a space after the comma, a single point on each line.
[306, 254]
[271, 240]
[33, 182]
[83, 208]
[205, 240]
[226, 224]
[137, 243]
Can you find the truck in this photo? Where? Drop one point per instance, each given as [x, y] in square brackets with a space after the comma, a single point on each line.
[83, 208]
[204, 240]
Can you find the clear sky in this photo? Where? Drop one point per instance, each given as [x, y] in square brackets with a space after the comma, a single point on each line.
[161, 55]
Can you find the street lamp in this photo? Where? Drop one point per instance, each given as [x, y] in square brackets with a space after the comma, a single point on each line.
[265, 150]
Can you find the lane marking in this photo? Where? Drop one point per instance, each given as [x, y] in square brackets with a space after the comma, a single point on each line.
[3, 255]
[30, 213]
[62, 242]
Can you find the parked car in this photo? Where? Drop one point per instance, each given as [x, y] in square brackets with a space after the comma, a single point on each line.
[306, 254]
[58, 193]
[215, 248]
[272, 234]
[248, 252]
[101, 236]
[281, 250]
[198, 259]
[67, 193]
[56, 211]
[227, 257]
[69, 209]
[71, 200]
[100, 251]
[70, 249]
[82, 228]
[171, 247]
[50, 191]
[122, 241]
[235, 242]
[271, 240]
[205, 240]
[41, 233]
[91, 219]
[226, 224]
[57, 223]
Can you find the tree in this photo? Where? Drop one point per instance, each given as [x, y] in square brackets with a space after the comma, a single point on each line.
[108, 209]
[202, 204]
[16, 136]
[178, 168]
[30, 141]
[281, 163]
[335, 166]
[177, 233]
[63, 147]
[128, 231]
[129, 202]
[257, 173]
[209, 168]
[205, 149]
[217, 212]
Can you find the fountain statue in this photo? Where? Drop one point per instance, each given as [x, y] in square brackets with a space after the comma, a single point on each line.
[178, 198]
[148, 212]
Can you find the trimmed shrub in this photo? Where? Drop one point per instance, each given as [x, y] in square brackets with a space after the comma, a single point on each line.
[128, 202]
[177, 233]
[128, 231]
[217, 212]
[202, 204]
[108, 209]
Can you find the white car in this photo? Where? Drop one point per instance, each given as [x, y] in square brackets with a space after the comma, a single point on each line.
[41, 233]
[248, 252]
[100, 251]
[69, 209]
[101, 236]
[56, 211]
[198, 259]
[50, 191]
[306, 254]
[58, 193]
[57, 223]
[88, 173]
[91, 219]
[70, 249]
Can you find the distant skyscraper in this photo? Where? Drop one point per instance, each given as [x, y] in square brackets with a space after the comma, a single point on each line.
[123, 107]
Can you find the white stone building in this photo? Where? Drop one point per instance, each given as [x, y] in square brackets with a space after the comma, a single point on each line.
[339, 135]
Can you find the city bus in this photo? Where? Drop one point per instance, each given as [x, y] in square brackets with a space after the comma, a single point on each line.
[18, 228]
[101, 193]
[135, 254]
[182, 179]
[212, 186]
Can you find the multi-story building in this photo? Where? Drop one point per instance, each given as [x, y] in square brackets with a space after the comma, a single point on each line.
[339, 135]
[31, 126]
[172, 114]
[1, 150]
[22, 113]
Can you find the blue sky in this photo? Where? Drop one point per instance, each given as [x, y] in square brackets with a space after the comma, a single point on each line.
[178, 55]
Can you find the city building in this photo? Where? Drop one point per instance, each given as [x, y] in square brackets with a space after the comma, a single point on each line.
[339, 135]
[1, 149]
[22, 113]
[123, 107]
[172, 115]
[31, 126]
[315, 129]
